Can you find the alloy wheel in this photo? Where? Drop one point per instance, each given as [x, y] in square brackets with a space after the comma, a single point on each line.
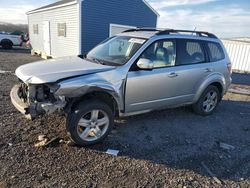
[93, 125]
[210, 101]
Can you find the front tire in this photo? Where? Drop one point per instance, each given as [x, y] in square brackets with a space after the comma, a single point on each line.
[90, 122]
[208, 101]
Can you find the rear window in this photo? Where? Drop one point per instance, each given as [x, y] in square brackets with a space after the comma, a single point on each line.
[215, 51]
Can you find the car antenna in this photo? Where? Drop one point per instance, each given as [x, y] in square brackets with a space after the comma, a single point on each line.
[194, 29]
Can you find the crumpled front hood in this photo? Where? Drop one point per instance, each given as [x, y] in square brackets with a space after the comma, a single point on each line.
[53, 70]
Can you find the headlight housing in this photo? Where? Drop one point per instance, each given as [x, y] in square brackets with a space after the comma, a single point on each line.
[53, 87]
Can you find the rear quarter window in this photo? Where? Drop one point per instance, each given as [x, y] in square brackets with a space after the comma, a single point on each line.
[215, 51]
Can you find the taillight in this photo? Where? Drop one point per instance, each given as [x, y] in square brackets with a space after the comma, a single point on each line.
[229, 67]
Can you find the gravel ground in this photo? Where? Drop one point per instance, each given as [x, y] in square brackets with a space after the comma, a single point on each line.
[158, 149]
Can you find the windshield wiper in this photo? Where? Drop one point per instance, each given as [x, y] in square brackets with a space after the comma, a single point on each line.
[95, 60]
[98, 61]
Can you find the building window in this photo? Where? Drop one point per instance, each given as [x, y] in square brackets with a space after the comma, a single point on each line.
[35, 28]
[61, 29]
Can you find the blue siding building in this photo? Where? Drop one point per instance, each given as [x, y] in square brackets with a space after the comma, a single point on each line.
[73, 27]
[98, 15]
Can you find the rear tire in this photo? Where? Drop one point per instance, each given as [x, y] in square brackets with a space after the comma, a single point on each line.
[90, 122]
[6, 44]
[208, 101]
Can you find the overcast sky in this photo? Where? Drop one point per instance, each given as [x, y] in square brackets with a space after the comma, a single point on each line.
[226, 18]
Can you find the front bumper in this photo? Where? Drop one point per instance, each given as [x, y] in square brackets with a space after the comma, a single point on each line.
[18, 103]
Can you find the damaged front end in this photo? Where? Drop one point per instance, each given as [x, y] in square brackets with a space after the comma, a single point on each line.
[34, 100]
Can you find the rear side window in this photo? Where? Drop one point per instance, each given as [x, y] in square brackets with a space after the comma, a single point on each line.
[190, 52]
[215, 51]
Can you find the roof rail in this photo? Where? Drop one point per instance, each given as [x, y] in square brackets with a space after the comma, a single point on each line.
[172, 31]
[199, 33]
[141, 29]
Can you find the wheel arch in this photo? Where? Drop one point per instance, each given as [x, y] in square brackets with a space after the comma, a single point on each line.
[219, 87]
[216, 80]
[5, 40]
[104, 96]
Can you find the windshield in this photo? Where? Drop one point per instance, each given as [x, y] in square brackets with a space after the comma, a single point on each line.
[115, 51]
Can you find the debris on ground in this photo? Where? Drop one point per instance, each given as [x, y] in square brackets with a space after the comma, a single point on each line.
[241, 113]
[4, 72]
[239, 90]
[52, 140]
[112, 152]
[41, 137]
[226, 146]
[41, 143]
[210, 173]
[3, 184]
[246, 129]
[45, 142]
[64, 141]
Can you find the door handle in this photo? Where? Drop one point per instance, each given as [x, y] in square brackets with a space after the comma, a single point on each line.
[208, 70]
[172, 75]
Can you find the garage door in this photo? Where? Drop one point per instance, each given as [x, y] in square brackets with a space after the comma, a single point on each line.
[116, 29]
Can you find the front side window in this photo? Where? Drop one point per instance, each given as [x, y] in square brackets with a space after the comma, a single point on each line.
[215, 52]
[190, 52]
[116, 51]
[161, 54]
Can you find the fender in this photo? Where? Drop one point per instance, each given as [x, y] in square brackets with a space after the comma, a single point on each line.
[81, 86]
[212, 78]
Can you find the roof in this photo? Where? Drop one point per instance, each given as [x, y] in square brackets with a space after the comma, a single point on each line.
[53, 5]
[149, 6]
[66, 2]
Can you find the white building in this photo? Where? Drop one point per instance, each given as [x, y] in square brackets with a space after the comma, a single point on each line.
[73, 27]
[239, 53]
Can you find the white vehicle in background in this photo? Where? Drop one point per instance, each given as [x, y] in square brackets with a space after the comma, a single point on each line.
[7, 41]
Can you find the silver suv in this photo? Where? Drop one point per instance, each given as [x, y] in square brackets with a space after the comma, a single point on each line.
[137, 71]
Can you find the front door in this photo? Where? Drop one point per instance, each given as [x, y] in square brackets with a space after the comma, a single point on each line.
[152, 89]
[46, 37]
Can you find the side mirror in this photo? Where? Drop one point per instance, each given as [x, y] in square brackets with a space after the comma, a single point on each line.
[82, 56]
[145, 64]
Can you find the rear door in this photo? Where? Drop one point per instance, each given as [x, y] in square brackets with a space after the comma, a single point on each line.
[193, 65]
